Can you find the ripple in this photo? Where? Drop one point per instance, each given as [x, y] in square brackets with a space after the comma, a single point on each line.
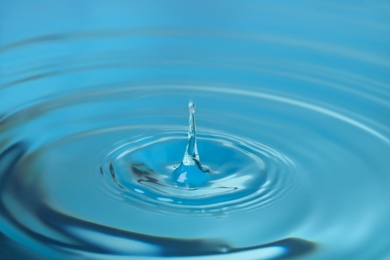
[293, 129]
[259, 176]
[246, 172]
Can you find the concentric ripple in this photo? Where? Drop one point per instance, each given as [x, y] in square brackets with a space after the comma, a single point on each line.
[107, 186]
[293, 134]
[129, 169]
[246, 172]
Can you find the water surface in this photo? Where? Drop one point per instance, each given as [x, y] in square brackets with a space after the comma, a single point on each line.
[293, 130]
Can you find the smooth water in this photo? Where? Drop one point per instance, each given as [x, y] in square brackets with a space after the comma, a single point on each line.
[292, 130]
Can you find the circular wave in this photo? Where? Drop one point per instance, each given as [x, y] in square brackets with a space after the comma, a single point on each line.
[296, 147]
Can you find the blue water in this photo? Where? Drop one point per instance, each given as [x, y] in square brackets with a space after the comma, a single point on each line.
[292, 116]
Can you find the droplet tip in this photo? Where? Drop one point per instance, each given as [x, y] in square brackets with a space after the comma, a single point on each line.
[191, 107]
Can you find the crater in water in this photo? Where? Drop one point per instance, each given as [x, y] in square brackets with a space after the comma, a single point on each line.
[235, 172]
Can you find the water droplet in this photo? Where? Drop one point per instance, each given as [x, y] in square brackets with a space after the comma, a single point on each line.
[191, 107]
[191, 173]
[191, 156]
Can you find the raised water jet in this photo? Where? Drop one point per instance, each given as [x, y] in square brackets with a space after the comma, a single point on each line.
[191, 173]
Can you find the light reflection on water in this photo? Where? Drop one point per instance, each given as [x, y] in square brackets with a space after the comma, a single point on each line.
[292, 113]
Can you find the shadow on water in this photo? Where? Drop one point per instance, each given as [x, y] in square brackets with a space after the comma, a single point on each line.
[73, 228]
[165, 246]
[9, 158]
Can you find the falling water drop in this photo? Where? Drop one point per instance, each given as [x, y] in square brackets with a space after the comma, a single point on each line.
[191, 173]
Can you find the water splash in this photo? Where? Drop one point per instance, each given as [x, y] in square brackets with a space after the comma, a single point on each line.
[191, 173]
[191, 155]
[294, 128]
